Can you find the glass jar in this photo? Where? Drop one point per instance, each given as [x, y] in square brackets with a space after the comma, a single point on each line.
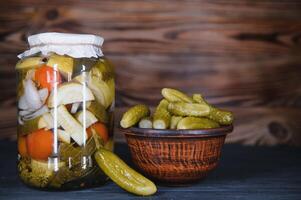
[65, 94]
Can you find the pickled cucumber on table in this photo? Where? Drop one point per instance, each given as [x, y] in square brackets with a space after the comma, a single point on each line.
[122, 174]
[196, 123]
[173, 95]
[134, 115]
[189, 109]
[223, 117]
[162, 115]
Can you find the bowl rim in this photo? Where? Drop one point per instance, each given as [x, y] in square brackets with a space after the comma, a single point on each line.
[187, 133]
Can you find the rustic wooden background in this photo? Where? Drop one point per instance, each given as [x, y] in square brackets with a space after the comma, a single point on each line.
[244, 55]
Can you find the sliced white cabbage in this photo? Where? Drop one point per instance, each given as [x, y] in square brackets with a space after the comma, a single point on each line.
[90, 118]
[70, 124]
[46, 121]
[64, 136]
[75, 107]
[69, 93]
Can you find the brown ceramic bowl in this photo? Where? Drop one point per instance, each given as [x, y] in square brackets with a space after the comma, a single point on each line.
[176, 156]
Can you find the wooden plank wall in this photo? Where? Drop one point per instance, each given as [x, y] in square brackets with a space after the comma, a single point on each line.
[241, 54]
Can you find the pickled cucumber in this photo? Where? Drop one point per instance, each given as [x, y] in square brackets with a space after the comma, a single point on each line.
[162, 116]
[173, 95]
[196, 123]
[63, 63]
[198, 98]
[30, 62]
[174, 121]
[30, 126]
[221, 116]
[146, 122]
[122, 174]
[133, 115]
[99, 111]
[101, 70]
[83, 65]
[189, 109]
[103, 91]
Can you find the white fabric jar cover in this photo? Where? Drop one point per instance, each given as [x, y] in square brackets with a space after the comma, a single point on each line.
[74, 45]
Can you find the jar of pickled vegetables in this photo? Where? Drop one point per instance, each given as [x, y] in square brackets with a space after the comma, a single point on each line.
[65, 94]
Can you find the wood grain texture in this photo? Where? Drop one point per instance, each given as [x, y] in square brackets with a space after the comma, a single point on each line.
[244, 55]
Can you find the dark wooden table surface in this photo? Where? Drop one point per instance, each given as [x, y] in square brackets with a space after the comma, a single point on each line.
[244, 173]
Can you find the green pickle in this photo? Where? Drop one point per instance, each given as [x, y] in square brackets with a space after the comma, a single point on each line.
[221, 116]
[174, 121]
[29, 126]
[80, 63]
[103, 90]
[189, 109]
[99, 111]
[196, 123]
[173, 95]
[30, 62]
[100, 69]
[162, 116]
[134, 115]
[198, 98]
[123, 175]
